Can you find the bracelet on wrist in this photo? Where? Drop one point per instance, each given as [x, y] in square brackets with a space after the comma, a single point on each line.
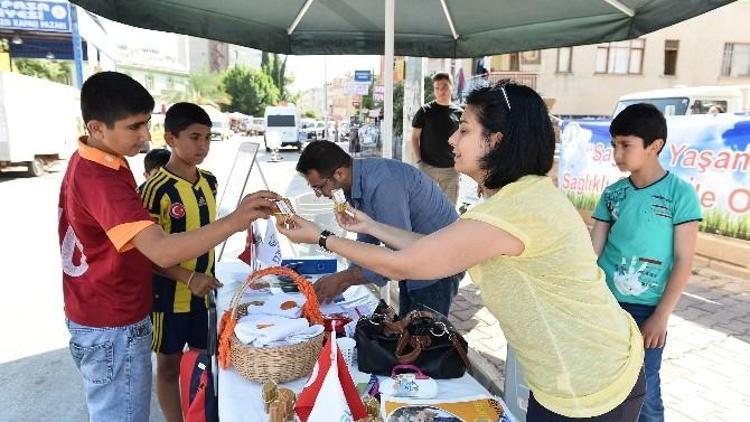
[190, 279]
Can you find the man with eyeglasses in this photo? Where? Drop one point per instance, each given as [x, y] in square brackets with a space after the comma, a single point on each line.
[432, 125]
[390, 192]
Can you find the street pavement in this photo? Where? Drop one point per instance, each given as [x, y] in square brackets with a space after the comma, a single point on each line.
[706, 364]
[706, 370]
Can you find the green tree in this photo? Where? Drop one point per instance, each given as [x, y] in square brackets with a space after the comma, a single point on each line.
[207, 87]
[310, 114]
[250, 90]
[429, 91]
[53, 70]
[398, 109]
[274, 65]
[203, 88]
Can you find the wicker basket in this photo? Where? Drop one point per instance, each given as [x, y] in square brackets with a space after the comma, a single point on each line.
[280, 364]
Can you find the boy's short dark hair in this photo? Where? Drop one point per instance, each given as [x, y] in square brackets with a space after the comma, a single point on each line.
[642, 120]
[111, 96]
[182, 115]
[324, 157]
[155, 158]
[442, 76]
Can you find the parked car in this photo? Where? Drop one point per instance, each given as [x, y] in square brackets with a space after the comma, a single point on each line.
[321, 131]
[258, 127]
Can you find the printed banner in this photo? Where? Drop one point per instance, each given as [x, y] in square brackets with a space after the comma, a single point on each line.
[711, 152]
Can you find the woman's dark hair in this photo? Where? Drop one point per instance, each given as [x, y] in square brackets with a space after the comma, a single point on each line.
[520, 115]
[111, 96]
[182, 115]
[324, 157]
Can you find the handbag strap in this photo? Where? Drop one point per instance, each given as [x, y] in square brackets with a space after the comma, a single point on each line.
[416, 345]
[460, 350]
[419, 343]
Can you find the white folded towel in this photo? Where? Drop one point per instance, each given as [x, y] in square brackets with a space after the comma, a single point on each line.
[283, 304]
[260, 330]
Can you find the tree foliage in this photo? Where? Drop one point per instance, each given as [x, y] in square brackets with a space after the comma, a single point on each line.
[203, 88]
[311, 114]
[274, 65]
[398, 109]
[53, 70]
[250, 90]
[429, 90]
[207, 87]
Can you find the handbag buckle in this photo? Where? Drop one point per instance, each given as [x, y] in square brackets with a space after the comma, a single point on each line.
[443, 329]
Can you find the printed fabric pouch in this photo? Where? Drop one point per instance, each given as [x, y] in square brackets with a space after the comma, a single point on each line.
[409, 381]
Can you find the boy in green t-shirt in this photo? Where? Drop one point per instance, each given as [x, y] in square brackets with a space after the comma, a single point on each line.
[644, 234]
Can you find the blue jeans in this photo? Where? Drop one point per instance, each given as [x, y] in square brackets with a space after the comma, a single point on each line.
[437, 296]
[115, 364]
[653, 407]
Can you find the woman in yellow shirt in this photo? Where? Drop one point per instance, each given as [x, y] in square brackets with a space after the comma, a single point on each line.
[529, 252]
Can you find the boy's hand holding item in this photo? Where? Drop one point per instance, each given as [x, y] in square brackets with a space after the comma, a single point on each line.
[200, 284]
[252, 207]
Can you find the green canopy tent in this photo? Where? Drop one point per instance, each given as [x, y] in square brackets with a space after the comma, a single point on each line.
[428, 28]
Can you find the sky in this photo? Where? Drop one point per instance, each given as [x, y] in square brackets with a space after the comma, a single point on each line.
[308, 71]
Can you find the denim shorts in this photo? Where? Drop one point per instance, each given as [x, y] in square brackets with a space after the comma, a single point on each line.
[115, 364]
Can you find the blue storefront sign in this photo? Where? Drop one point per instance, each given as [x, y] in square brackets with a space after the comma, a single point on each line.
[35, 15]
[362, 76]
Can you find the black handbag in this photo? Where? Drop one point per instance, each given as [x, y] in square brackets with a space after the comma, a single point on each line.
[424, 338]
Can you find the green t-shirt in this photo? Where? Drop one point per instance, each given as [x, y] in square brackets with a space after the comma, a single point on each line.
[637, 258]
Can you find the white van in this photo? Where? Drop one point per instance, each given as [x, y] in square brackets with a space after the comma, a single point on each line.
[683, 101]
[283, 120]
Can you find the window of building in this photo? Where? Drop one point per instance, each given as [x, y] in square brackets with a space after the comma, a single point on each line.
[149, 81]
[670, 56]
[564, 60]
[506, 63]
[621, 58]
[736, 61]
[170, 82]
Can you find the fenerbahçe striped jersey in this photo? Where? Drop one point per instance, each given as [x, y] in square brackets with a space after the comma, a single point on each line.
[179, 206]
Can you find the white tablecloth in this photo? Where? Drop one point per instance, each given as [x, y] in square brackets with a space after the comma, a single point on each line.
[240, 400]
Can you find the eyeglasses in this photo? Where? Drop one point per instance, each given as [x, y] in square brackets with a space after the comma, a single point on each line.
[319, 188]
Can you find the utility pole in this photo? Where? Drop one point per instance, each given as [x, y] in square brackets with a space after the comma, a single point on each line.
[325, 88]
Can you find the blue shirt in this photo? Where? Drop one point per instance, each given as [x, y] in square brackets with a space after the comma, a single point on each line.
[397, 194]
[638, 255]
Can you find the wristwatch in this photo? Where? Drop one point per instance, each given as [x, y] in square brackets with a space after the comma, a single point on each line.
[323, 239]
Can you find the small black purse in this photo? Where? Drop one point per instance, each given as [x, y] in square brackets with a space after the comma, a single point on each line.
[424, 338]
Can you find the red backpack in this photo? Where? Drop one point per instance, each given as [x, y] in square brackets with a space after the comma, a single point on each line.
[197, 389]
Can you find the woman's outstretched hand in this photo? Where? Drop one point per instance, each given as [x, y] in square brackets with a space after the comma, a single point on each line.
[354, 220]
[298, 230]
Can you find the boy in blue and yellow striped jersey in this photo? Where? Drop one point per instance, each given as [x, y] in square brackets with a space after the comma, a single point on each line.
[181, 197]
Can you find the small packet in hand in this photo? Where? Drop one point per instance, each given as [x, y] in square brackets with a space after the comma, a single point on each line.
[339, 203]
[285, 211]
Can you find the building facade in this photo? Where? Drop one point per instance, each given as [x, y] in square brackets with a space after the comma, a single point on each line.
[711, 49]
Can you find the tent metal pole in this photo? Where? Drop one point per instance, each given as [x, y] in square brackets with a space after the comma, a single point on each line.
[387, 124]
[387, 135]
